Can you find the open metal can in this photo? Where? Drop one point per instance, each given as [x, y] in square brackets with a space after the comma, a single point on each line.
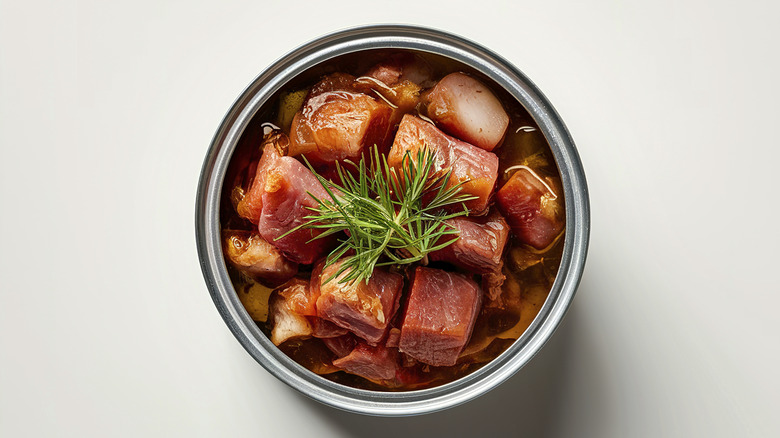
[419, 39]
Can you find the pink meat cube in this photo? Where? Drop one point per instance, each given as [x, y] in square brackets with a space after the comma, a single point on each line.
[402, 67]
[440, 314]
[250, 207]
[533, 207]
[363, 308]
[324, 329]
[480, 243]
[373, 363]
[477, 169]
[286, 202]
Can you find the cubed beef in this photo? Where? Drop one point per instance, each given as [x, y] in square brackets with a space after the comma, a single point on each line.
[375, 363]
[286, 202]
[533, 208]
[257, 258]
[288, 309]
[440, 314]
[341, 345]
[250, 206]
[363, 308]
[480, 243]
[324, 329]
[477, 169]
[338, 122]
[464, 107]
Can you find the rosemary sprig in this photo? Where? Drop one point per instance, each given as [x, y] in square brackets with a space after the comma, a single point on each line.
[383, 214]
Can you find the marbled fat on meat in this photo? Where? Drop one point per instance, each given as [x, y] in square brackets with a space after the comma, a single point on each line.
[251, 254]
[479, 246]
[288, 309]
[363, 308]
[286, 202]
[373, 363]
[532, 207]
[338, 122]
[477, 169]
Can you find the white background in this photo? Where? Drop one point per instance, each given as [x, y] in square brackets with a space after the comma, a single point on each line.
[106, 112]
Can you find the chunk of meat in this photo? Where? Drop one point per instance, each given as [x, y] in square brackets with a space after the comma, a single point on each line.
[286, 202]
[288, 307]
[532, 207]
[338, 122]
[250, 206]
[464, 107]
[393, 336]
[363, 308]
[257, 258]
[374, 363]
[477, 169]
[403, 96]
[401, 67]
[341, 345]
[324, 329]
[479, 245]
[440, 314]
[299, 297]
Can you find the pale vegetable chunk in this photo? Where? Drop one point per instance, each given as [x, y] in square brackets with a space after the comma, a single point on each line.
[465, 108]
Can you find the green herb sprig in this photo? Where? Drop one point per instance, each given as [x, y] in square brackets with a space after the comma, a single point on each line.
[383, 214]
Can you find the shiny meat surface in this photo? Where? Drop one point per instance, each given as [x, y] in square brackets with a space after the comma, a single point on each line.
[251, 254]
[338, 122]
[250, 207]
[341, 345]
[402, 67]
[325, 329]
[286, 202]
[440, 314]
[465, 108]
[364, 309]
[475, 168]
[480, 244]
[373, 363]
[532, 207]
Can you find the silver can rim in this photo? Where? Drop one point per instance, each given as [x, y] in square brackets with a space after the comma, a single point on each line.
[391, 37]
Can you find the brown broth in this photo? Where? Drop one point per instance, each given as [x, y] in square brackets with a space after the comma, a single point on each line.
[529, 272]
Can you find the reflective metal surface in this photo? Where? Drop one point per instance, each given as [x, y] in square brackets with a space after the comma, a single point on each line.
[375, 402]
